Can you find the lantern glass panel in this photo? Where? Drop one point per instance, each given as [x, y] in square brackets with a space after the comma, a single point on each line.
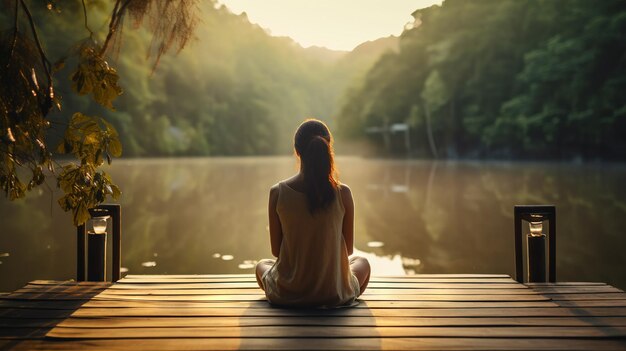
[536, 228]
[99, 224]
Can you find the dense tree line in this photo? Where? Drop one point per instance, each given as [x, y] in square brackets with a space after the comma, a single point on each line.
[509, 79]
[234, 90]
[503, 78]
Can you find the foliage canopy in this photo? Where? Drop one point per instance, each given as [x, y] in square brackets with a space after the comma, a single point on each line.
[504, 78]
[27, 101]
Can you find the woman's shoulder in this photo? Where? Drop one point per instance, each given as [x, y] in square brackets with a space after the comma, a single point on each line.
[274, 191]
[346, 193]
[344, 188]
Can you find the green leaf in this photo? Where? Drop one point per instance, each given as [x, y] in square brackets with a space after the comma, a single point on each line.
[109, 127]
[115, 147]
[98, 160]
[59, 65]
[63, 147]
[81, 215]
[116, 193]
[79, 118]
[95, 76]
[64, 203]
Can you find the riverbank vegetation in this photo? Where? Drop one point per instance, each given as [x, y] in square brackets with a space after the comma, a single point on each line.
[505, 79]
[480, 79]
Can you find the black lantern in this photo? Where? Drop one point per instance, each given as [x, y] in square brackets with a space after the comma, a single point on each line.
[536, 242]
[94, 258]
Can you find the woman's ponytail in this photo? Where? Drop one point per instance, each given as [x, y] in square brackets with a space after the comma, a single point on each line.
[314, 145]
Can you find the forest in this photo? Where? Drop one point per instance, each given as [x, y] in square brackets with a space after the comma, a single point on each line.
[234, 90]
[508, 79]
[511, 79]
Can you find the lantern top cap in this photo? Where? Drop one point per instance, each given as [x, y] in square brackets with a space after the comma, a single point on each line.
[535, 212]
[98, 212]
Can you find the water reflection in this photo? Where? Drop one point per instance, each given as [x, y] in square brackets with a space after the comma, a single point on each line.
[375, 244]
[209, 216]
[248, 264]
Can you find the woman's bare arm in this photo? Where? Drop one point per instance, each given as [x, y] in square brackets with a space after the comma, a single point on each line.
[348, 218]
[276, 230]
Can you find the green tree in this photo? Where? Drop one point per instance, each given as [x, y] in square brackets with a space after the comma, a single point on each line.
[28, 94]
[435, 96]
[508, 78]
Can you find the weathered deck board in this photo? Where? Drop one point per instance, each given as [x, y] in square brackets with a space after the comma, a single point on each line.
[214, 312]
[259, 296]
[364, 344]
[79, 290]
[263, 304]
[337, 332]
[174, 322]
[251, 284]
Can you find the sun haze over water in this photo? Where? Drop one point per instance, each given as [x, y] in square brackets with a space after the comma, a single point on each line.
[337, 25]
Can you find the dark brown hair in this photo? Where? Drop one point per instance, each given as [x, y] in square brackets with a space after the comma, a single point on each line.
[314, 145]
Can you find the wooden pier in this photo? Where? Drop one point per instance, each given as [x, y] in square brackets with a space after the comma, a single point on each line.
[229, 312]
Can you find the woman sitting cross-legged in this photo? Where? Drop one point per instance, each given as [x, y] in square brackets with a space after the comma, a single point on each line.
[311, 223]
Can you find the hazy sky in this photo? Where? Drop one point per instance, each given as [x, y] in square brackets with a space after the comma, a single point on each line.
[335, 24]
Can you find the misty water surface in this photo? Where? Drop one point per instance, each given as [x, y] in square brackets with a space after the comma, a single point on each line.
[208, 215]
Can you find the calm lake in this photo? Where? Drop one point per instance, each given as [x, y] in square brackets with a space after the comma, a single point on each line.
[209, 215]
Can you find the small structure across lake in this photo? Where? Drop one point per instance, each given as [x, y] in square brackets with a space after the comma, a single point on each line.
[228, 312]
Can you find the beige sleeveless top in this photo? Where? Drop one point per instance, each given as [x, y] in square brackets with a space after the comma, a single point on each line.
[312, 268]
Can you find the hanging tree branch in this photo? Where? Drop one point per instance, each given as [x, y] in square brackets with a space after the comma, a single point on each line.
[15, 29]
[116, 16]
[85, 16]
[91, 140]
[44, 59]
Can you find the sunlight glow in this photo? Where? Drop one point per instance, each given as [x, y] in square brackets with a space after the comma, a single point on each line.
[337, 25]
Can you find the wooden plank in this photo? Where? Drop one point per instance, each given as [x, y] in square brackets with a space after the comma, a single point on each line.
[591, 303]
[380, 280]
[42, 304]
[30, 313]
[184, 303]
[235, 285]
[35, 322]
[578, 290]
[399, 297]
[371, 304]
[578, 297]
[69, 283]
[23, 333]
[284, 344]
[407, 279]
[305, 320]
[336, 332]
[77, 300]
[374, 277]
[371, 285]
[381, 312]
[565, 284]
[34, 289]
